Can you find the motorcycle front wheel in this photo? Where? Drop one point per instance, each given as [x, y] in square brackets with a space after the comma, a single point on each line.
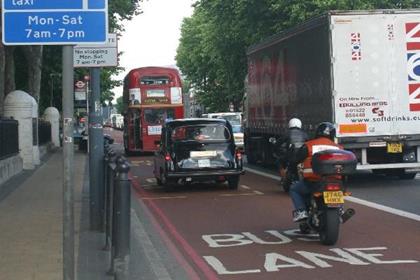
[330, 226]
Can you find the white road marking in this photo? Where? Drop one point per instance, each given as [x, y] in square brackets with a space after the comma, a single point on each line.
[151, 253]
[237, 194]
[258, 192]
[262, 173]
[151, 180]
[353, 199]
[163, 197]
[245, 187]
[384, 208]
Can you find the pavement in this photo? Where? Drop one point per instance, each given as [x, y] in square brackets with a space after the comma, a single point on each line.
[31, 222]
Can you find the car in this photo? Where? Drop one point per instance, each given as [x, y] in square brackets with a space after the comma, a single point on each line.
[235, 119]
[192, 150]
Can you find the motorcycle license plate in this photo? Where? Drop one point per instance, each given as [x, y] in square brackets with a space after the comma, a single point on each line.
[333, 197]
[394, 148]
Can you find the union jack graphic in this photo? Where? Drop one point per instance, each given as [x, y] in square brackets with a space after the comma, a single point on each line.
[412, 30]
[356, 52]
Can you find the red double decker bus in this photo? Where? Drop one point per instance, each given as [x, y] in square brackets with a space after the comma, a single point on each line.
[151, 96]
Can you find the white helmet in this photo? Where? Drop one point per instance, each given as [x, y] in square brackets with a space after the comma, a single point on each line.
[295, 123]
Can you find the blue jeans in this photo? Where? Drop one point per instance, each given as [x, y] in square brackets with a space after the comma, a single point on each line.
[300, 193]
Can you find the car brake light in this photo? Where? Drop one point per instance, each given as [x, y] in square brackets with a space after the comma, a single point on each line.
[167, 157]
[332, 187]
[238, 155]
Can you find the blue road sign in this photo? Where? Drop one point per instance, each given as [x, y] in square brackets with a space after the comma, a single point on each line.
[54, 22]
[53, 4]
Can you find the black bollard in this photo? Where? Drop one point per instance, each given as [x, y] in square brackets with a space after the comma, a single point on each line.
[122, 239]
[110, 168]
[118, 220]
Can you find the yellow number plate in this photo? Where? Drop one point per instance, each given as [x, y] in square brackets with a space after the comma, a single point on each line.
[394, 148]
[333, 197]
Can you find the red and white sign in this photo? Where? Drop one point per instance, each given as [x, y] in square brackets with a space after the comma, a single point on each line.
[80, 84]
[356, 52]
[413, 60]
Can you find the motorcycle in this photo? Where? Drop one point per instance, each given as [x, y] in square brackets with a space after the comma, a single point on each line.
[288, 173]
[326, 202]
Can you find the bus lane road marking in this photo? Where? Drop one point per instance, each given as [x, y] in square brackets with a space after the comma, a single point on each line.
[353, 199]
[274, 261]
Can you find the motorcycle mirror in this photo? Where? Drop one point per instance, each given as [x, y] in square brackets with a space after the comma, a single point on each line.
[272, 140]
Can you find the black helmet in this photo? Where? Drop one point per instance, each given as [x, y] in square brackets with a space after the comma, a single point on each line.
[325, 129]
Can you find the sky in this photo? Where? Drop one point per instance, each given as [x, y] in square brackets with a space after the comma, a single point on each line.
[151, 38]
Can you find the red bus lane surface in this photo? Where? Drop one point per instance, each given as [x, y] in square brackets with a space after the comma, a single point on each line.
[217, 233]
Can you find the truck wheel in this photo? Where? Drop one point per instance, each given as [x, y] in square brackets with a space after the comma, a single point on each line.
[233, 182]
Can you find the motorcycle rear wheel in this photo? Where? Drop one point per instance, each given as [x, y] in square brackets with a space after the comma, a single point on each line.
[330, 226]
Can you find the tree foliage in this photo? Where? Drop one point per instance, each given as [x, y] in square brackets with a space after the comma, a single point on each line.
[212, 50]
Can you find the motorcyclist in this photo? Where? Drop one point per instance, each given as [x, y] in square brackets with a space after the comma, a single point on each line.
[295, 140]
[300, 190]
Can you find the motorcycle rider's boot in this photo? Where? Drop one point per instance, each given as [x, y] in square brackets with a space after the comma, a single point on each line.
[300, 215]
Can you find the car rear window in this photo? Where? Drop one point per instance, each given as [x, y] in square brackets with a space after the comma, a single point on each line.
[201, 132]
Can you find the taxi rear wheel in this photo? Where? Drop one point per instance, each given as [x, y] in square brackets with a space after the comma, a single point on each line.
[233, 182]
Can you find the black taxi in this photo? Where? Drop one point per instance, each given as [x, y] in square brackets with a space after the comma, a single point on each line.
[192, 150]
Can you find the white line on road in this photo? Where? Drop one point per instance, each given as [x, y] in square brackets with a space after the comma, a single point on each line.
[258, 192]
[262, 173]
[353, 199]
[237, 194]
[163, 197]
[245, 187]
[384, 208]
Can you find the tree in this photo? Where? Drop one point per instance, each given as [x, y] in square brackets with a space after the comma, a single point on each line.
[120, 105]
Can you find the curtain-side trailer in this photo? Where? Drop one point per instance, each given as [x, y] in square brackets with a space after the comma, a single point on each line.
[357, 69]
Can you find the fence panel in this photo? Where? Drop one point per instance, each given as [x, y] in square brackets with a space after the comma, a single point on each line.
[44, 132]
[9, 138]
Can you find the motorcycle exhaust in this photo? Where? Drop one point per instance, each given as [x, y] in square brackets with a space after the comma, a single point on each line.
[347, 215]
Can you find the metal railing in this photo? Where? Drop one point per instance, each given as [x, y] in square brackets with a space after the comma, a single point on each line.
[9, 138]
[116, 212]
[44, 132]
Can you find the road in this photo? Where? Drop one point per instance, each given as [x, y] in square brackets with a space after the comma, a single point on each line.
[215, 233]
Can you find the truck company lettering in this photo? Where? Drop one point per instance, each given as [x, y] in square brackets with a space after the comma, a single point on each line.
[275, 261]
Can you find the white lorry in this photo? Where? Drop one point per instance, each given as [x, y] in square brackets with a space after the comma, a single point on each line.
[358, 69]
